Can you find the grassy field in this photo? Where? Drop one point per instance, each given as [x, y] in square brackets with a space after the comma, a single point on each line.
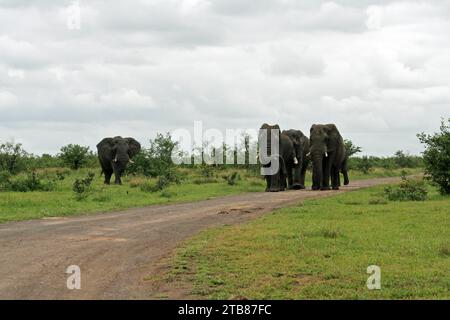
[321, 249]
[16, 206]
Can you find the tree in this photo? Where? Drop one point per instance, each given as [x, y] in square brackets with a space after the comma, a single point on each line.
[436, 156]
[351, 149]
[12, 157]
[75, 156]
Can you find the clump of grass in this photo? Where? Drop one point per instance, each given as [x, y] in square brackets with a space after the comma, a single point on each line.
[168, 194]
[444, 250]
[204, 180]
[136, 182]
[376, 201]
[330, 233]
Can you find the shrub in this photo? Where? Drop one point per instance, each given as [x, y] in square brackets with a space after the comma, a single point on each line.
[232, 179]
[82, 187]
[75, 156]
[436, 157]
[364, 165]
[206, 171]
[30, 182]
[408, 190]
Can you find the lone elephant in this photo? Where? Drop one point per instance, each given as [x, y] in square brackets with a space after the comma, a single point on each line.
[275, 172]
[115, 154]
[296, 173]
[328, 157]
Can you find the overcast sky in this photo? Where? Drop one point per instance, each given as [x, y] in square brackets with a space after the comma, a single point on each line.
[379, 70]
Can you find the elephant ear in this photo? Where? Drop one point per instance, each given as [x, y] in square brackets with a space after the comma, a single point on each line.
[134, 147]
[106, 143]
[334, 136]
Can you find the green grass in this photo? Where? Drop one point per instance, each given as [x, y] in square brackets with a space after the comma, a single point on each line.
[16, 206]
[321, 250]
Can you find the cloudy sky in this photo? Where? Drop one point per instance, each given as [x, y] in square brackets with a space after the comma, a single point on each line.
[380, 70]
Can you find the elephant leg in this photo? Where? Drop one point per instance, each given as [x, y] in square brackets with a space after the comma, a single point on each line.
[108, 175]
[344, 171]
[275, 182]
[346, 180]
[326, 173]
[289, 177]
[335, 178]
[267, 183]
[302, 176]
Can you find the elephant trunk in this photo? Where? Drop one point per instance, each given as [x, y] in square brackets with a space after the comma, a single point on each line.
[317, 162]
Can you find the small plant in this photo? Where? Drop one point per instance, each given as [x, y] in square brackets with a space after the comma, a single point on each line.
[232, 179]
[408, 190]
[82, 187]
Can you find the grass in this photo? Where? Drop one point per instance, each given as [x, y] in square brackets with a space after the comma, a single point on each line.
[321, 250]
[16, 206]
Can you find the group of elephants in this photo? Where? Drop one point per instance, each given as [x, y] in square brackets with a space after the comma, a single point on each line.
[324, 147]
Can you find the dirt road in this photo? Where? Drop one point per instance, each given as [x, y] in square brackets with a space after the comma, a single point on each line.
[115, 251]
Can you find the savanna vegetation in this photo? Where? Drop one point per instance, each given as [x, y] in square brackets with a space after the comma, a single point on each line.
[70, 182]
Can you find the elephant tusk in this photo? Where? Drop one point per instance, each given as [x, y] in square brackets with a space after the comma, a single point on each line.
[326, 154]
[295, 160]
[131, 161]
[115, 159]
[308, 154]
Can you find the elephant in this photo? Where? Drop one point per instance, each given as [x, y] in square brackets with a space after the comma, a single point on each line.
[115, 154]
[286, 155]
[328, 157]
[296, 174]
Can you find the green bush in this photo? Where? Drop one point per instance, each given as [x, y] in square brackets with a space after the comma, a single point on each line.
[82, 187]
[27, 183]
[75, 156]
[408, 190]
[436, 157]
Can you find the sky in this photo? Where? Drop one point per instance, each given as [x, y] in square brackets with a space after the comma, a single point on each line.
[379, 70]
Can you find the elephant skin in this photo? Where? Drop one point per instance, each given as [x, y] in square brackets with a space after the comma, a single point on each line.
[296, 172]
[277, 181]
[115, 154]
[328, 157]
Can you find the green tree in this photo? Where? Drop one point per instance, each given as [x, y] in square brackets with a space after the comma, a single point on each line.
[12, 157]
[75, 156]
[350, 148]
[436, 156]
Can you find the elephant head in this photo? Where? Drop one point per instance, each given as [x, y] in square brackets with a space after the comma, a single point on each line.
[299, 141]
[115, 154]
